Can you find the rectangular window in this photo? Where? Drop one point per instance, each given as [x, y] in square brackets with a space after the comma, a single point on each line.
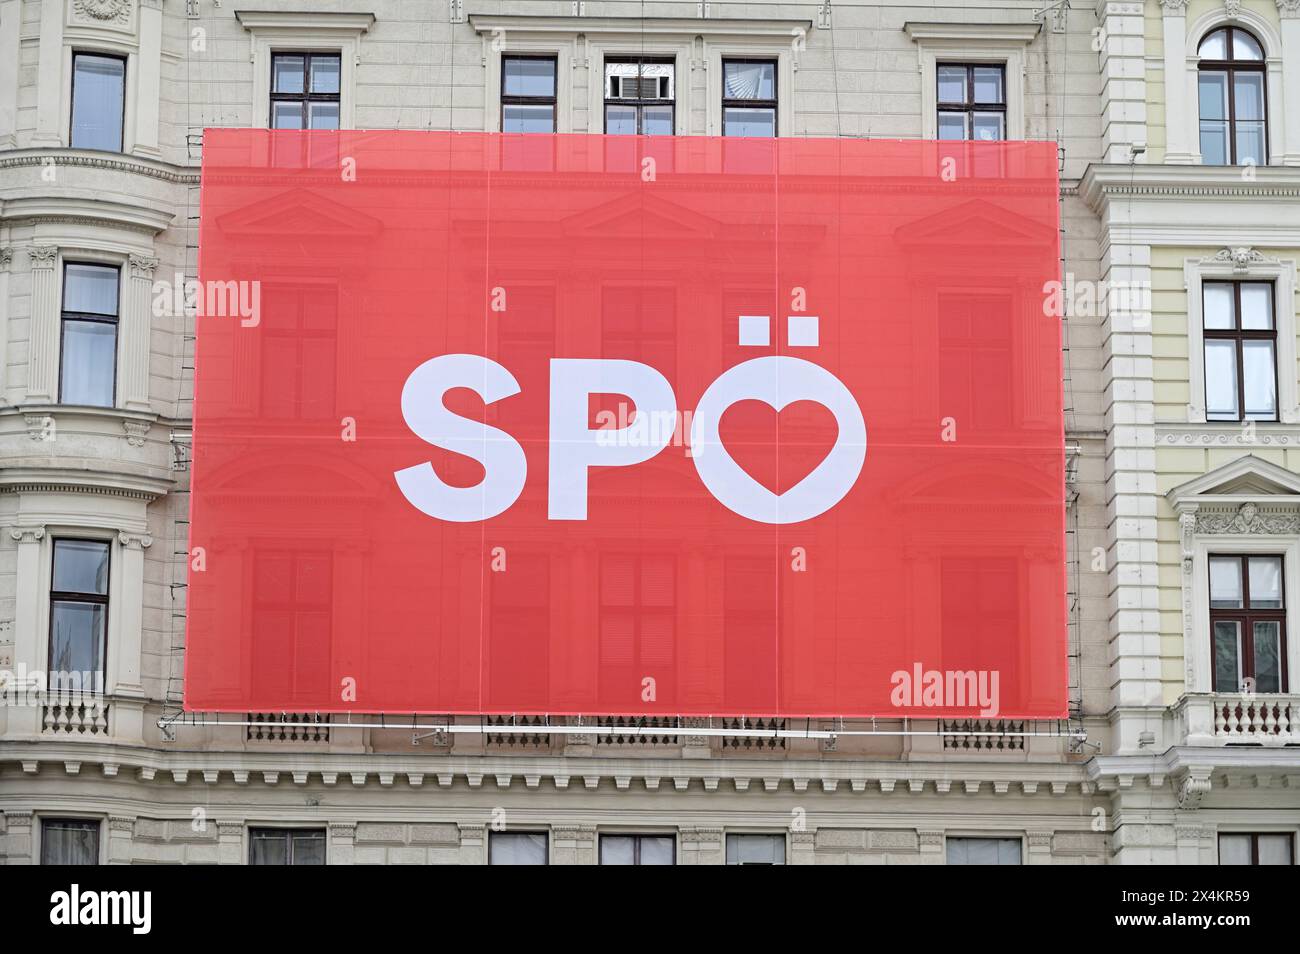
[518, 848]
[756, 849]
[528, 94]
[292, 603]
[638, 850]
[98, 101]
[286, 846]
[1240, 351]
[88, 369]
[69, 841]
[78, 614]
[972, 101]
[749, 98]
[300, 348]
[983, 851]
[305, 90]
[638, 614]
[639, 97]
[1262, 848]
[1248, 623]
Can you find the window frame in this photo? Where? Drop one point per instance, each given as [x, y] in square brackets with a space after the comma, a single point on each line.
[636, 837]
[1246, 617]
[306, 96]
[639, 104]
[638, 609]
[773, 104]
[97, 823]
[1239, 335]
[288, 832]
[72, 97]
[1254, 845]
[504, 100]
[64, 316]
[72, 596]
[785, 842]
[1019, 839]
[544, 832]
[969, 106]
[1231, 67]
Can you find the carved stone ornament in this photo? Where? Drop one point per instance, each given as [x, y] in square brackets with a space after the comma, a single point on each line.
[42, 256]
[1288, 9]
[1241, 257]
[104, 11]
[1248, 519]
[1173, 7]
[1191, 790]
[1232, 7]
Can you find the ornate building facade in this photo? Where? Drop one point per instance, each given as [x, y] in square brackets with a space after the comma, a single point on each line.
[1178, 127]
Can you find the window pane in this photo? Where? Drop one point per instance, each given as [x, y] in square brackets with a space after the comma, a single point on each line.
[286, 73]
[97, 97]
[1268, 672]
[527, 119]
[1225, 583]
[657, 120]
[286, 115]
[983, 851]
[620, 120]
[1219, 305]
[80, 566]
[325, 74]
[988, 127]
[1244, 46]
[1214, 142]
[1258, 369]
[656, 850]
[1214, 94]
[748, 80]
[69, 842]
[617, 850]
[755, 849]
[1226, 656]
[77, 637]
[268, 848]
[952, 84]
[308, 848]
[90, 288]
[1214, 46]
[988, 84]
[746, 121]
[1234, 849]
[323, 115]
[1250, 143]
[1257, 305]
[1265, 582]
[1275, 849]
[1248, 96]
[517, 848]
[529, 77]
[89, 361]
[952, 125]
[1221, 380]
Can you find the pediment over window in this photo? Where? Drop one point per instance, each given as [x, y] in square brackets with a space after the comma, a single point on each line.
[976, 223]
[1248, 478]
[299, 212]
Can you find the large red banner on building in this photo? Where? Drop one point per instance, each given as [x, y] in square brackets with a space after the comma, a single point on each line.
[586, 424]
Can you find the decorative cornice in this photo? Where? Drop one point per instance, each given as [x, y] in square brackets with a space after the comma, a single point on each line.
[310, 22]
[71, 157]
[68, 210]
[930, 32]
[1248, 520]
[710, 27]
[1104, 181]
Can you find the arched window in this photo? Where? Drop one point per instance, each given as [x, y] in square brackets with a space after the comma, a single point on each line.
[1231, 83]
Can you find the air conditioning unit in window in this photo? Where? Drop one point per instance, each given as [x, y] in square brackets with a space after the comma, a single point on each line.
[623, 82]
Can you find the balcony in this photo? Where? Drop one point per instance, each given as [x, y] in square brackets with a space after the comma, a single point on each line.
[1234, 718]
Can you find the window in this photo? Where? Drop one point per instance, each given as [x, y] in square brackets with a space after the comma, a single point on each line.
[638, 850]
[756, 849]
[638, 609]
[640, 323]
[299, 333]
[983, 851]
[1248, 623]
[517, 848]
[286, 846]
[292, 600]
[1232, 99]
[69, 841]
[305, 90]
[749, 97]
[88, 373]
[1240, 351]
[528, 94]
[639, 97]
[971, 101]
[98, 101]
[1257, 849]
[78, 613]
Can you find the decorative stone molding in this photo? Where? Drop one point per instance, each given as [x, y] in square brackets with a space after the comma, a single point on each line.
[136, 431]
[27, 534]
[929, 839]
[1288, 9]
[134, 541]
[701, 836]
[1173, 7]
[1248, 519]
[6, 255]
[103, 11]
[124, 823]
[142, 266]
[42, 256]
[1192, 788]
[1241, 257]
[40, 427]
[1038, 839]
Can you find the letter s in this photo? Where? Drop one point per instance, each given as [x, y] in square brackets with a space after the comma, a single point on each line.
[504, 465]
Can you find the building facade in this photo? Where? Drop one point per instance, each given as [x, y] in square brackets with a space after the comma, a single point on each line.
[1178, 127]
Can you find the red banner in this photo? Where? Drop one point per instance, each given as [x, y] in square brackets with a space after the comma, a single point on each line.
[619, 425]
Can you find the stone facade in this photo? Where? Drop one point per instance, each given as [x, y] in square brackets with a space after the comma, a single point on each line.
[1153, 487]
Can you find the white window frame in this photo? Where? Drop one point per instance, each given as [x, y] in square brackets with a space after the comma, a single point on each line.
[1242, 265]
[315, 32]
[972, 43]
[602, 49]
[127, 51]
[752, 48]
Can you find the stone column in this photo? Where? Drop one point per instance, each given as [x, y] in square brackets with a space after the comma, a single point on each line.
[6, 258]
[341, 849]
[930, 846]
[801, 847]
[136, 327]
[1038, 847]
[473, 844]
[123, 678]
[1178, 122]
[1289, 12]
[11, 12]
[702, 846]
[148, 84]
[49, 76]
[19, 850]
[230, 843]
[28, 643]
[43, 328]
[574, 844]
[1123, 76]
[121, 832]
